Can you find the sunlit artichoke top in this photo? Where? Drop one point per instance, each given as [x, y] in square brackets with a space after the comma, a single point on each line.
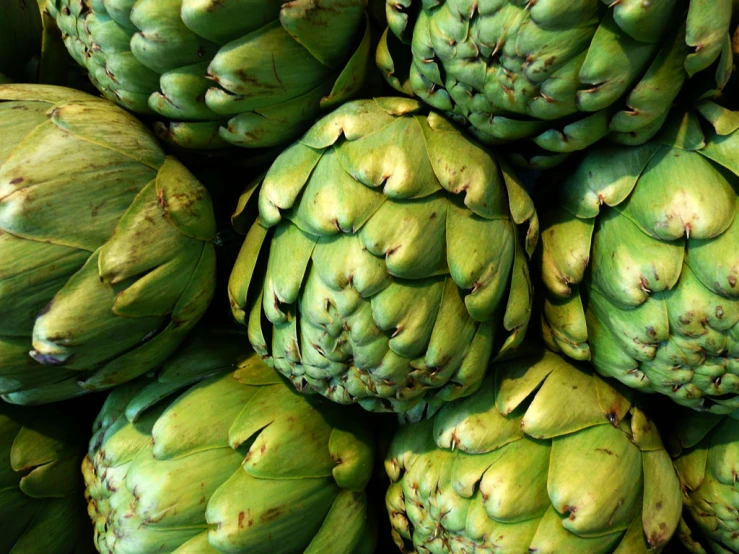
[641, 262]
[706, 450]
[238, 463]
[41, 503]
[106, 246]
[564, 74]
[389, 260]
[252, 73]
[545, 458]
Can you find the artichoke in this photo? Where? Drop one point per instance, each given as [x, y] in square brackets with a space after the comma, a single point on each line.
[546, 457]
[706, 447]
[252, 73]
[237, 463]
[558, 75]
[106, 243]
[41, 503]
[640, 262]
[386, 265]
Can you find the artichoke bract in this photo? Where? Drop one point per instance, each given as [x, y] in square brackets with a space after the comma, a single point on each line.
[561, 75]
[41, 504]
[252, 73]
[106, 246]
[238, 463]
[640, 262]
[706, 450]
[388, 262]
[546, 457]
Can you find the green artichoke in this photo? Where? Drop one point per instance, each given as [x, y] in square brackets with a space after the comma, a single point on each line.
[545, 457]
[386, 265]
[106, 243]
[238, 463]
[252, 73]
[562, 74]
[640, 262]
[41, 505]
[706, 447]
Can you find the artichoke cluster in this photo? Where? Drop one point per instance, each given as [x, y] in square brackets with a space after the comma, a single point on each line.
[480, 296]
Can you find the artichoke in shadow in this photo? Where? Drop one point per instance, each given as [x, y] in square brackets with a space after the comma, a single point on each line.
[546, 457]
[388, 262]
[42, 507]
[640, 262]
[556, 76]
[236, 463]
[252, 73]
[706, 450]
[106, 243]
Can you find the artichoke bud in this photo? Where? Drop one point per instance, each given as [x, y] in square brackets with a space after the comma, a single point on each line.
[204, 457]
[662, 314]
[551, 78]
[532, 462]
[387, 263]
[706, 455]
[125, 234]
[245, 73]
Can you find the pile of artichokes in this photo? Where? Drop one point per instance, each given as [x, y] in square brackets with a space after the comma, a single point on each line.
[366, 276]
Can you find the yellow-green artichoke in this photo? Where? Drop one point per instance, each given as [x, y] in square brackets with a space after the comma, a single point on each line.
[706, 451]
[239, 463]
[558, 75]
[251, 73]
[388, 263]
[106, 246]
[640, 262]
[545, 458]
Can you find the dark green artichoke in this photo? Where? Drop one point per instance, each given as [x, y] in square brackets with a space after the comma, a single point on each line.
[706, 450]
[563, 74]
[106, 246]
[42, 509]
[252, 73]
[238, 463]
[545, 458]
[389, 260]
[641, 262]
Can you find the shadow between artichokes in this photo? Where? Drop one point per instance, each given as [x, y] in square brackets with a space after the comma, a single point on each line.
[237, 463]
[388, 262]
[106, 246]
[556, 77]
[640, 262]
[244, 72]
[546, 457]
